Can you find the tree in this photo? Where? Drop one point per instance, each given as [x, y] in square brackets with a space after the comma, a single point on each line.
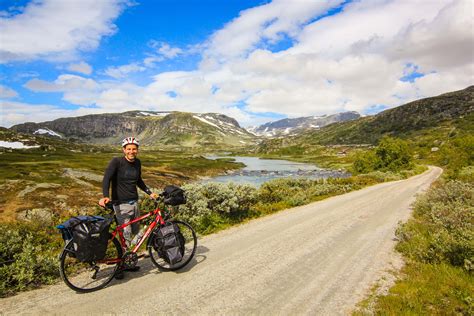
[392, 154]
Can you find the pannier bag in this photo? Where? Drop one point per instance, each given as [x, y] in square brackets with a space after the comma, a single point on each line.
[169, 243]
[89, 234]
[174, 195]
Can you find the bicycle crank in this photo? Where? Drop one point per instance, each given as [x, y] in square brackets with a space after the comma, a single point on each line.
[130, 260]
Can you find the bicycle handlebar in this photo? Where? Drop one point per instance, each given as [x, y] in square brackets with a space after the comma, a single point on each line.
[110, 205]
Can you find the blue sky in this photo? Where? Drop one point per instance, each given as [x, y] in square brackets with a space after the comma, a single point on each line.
[256, 61]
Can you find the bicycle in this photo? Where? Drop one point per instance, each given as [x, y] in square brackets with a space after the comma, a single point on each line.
[91, 276]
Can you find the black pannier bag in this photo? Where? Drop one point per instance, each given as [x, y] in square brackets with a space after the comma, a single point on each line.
[169, 243]
[174, 195]
[89, 234]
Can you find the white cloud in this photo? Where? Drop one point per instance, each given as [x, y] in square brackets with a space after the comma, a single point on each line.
[165, 49]
[17, 112]
[77, 90]
[57, 29]
[353, 60]
[151, 60]
[124, 70]
[349, 61]
[81, 67]
[266, 22]
[7, 93]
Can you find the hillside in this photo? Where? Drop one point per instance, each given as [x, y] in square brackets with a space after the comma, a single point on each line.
[50, 176]
[437, 116]
[153, 129]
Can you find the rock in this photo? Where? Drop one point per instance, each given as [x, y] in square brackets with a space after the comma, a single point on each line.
[32, 188]
[36, 214]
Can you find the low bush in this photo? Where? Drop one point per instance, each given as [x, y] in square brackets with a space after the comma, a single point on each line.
[28, 256]
[428, 289]
[213, 205]
[391, 154]
[442, 228]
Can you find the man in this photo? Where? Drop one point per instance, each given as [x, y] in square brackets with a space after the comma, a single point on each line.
[124, 173]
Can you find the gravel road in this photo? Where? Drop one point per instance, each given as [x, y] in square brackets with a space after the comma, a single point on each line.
[318, 259]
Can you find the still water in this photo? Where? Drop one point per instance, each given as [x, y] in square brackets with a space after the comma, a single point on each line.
[258, 171]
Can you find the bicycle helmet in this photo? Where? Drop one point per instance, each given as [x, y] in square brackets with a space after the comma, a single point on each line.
[130, 140]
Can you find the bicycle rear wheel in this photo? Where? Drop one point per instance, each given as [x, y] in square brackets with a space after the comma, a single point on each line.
[89, 276]
[188, 248]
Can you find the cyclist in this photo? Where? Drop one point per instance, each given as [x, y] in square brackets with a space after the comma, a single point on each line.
[124, 175]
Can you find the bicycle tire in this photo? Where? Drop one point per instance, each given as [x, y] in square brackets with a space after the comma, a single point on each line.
[189, 248]
[86, 277]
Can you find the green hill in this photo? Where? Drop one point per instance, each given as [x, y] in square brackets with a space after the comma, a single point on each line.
[438, 116]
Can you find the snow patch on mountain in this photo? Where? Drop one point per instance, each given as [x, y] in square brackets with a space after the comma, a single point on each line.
[205, 121]
[154, 113]
[15, 145]
[47, 131]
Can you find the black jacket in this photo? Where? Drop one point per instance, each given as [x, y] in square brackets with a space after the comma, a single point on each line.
[125, 176]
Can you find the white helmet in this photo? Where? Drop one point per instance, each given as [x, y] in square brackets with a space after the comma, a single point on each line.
[130, 140]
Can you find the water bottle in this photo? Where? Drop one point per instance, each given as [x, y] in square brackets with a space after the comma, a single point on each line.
[138, 236]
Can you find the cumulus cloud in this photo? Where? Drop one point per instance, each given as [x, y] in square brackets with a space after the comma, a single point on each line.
[358, 59]
[267, 22]
[23, 112]
[57, 29]
[7, 93]
[123, 71]
[352, 60]
[76, 89]
[165, 49]
[81, 67]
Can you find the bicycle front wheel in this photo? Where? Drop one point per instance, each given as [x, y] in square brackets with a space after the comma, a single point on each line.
[188, 248]
[89, 276]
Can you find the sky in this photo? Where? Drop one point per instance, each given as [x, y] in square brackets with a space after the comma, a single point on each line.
[256, 61]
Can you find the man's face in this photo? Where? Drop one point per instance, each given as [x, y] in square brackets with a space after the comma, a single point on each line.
[130, 151]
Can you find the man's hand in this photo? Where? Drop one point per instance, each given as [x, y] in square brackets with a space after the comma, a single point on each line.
[154, 196]
[104, 201]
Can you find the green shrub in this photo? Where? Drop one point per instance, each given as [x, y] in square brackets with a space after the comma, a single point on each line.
[394, 154]
[466, 174]
[442, 229]
[429, 289]
[205, 200]
[391, 154]
[365, 162]
[28, 256]
[456, 155]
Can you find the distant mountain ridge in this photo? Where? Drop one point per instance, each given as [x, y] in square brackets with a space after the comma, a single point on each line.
[413, 116]
[183, 129]
[292, 126]
[453, 109]
[153, 128]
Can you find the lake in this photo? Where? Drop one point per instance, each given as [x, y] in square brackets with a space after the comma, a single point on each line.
[258, 171]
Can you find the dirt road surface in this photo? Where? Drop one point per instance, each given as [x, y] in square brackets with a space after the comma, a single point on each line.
[318, 259]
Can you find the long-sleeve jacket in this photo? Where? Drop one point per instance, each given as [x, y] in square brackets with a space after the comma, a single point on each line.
[124, 177]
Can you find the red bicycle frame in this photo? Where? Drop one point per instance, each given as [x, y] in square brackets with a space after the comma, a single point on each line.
[119, 229]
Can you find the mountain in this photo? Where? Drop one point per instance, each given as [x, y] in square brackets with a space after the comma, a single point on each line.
[441, 116]
[152, 128]
[293, 126]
